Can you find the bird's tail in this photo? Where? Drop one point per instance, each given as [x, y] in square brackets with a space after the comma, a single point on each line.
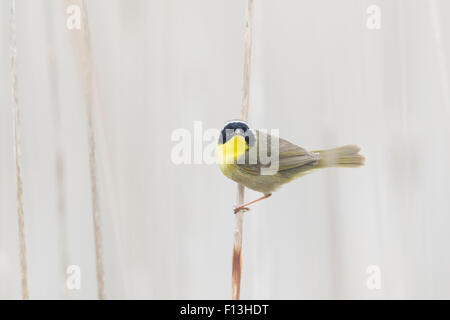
[346, 156]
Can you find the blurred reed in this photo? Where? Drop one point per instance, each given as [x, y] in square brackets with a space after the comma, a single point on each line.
[17, 153]
[81, 43]
[442, 60]
[59, 155]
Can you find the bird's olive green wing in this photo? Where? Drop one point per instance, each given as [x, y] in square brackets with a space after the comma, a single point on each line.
[290, 155]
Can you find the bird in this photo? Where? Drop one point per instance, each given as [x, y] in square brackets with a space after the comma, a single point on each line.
[240, 154]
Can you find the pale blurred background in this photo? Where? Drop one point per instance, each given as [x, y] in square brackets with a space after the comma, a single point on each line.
[318, 74]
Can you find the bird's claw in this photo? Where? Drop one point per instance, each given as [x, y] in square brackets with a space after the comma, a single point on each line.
[239, 209]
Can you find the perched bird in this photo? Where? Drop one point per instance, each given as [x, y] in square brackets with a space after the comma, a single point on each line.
[239, 155]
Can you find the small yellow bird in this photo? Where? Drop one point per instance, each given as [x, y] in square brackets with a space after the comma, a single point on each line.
[239, 155]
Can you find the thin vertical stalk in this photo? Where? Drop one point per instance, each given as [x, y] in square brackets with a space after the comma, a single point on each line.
[239, 218]
[59, 155]
[17, 154]
[442, 60]
[81, 43]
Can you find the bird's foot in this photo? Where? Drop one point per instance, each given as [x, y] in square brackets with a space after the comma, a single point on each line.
[241, 208]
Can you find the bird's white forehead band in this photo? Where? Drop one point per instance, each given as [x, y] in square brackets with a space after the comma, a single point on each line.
[236, 121]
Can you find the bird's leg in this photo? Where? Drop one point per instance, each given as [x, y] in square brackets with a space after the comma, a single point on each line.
[244, 206]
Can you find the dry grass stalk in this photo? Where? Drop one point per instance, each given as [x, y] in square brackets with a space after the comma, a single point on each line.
[59, 155]
[17, 153]
[440, 48]
[239, 218]
[81, 43]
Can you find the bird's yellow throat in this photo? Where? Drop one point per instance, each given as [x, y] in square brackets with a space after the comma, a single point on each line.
[228, 152]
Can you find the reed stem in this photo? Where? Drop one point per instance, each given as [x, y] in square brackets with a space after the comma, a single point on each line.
[81, 44]
[59, 154]
[239, 218]
[17, 154]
